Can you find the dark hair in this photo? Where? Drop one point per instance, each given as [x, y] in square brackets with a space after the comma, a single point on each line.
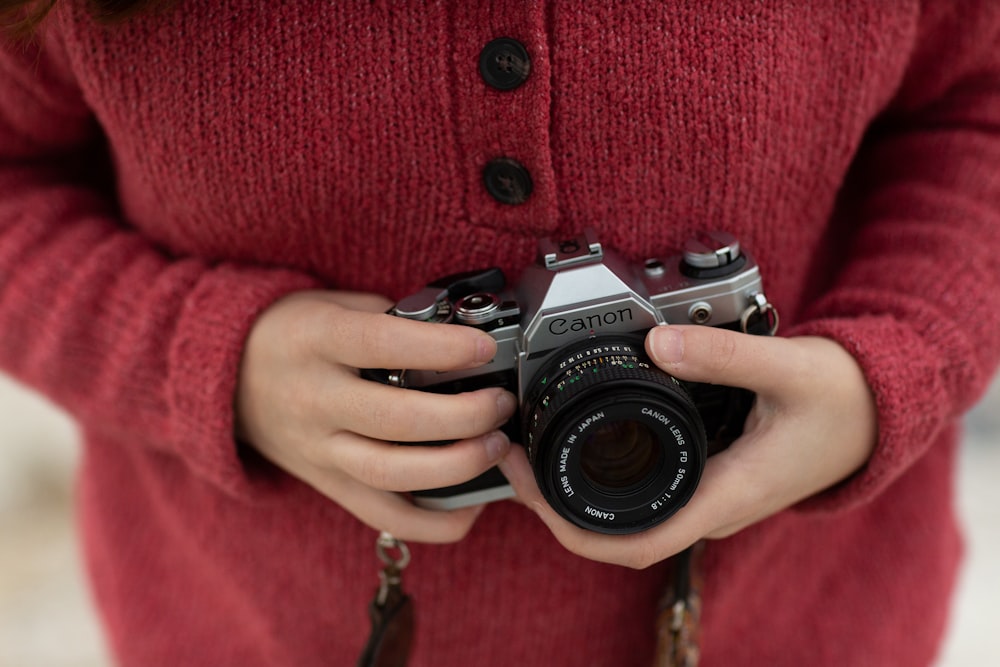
[20, 18]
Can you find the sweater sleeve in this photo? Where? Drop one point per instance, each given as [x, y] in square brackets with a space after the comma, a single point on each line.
[916, 299]
[134, 343]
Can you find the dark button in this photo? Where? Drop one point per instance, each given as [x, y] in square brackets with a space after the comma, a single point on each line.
[507, 180]
[504, 63]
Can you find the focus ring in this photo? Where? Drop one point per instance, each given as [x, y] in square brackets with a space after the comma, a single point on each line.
[628, 366]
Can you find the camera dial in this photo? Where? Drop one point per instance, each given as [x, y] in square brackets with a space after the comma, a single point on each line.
[711, 249]
[477, 308]
[711, 255]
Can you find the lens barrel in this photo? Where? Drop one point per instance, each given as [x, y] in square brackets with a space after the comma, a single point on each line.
[616, 444]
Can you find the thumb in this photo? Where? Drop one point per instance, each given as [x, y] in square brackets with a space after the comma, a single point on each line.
[721, 356]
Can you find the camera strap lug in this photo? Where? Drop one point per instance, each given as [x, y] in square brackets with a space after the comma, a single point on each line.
[391, 611]
[760, 317]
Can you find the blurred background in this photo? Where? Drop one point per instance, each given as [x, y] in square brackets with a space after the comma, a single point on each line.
[46, 617]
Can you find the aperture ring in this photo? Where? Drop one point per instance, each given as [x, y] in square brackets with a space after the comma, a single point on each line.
[571, 383]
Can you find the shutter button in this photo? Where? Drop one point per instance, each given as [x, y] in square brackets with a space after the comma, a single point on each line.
[504, 63]
[507, 180]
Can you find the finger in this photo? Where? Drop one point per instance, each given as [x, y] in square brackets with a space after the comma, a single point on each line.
[711, 509]
[720, 356]
[408, 415]
[364, 301]
[383, 510]
[389, 467]
[637, 550]
[376, 340]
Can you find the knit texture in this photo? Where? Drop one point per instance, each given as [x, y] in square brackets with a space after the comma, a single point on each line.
[164, 181]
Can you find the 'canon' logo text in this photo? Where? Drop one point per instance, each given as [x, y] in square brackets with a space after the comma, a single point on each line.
[561, 325]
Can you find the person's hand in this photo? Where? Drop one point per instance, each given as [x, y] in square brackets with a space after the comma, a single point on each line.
[813, 424]
[302, 405]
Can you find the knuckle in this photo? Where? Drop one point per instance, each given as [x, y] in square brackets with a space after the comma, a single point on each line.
[456, 528]
[381, 417]
[464, 416]
[579, 543]
[376, 471]
[482, 409]
[373, 337]
[643, 555]
[316, 454]
[722, 350]
[460, 347]
[436, 528]
[297, 329]
[571, 542]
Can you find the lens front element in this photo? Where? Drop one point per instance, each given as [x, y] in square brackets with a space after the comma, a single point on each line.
[619, 455]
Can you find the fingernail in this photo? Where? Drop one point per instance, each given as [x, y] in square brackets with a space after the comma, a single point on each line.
[497, 445]
[486, 349]
[506, 404]
[666, 345]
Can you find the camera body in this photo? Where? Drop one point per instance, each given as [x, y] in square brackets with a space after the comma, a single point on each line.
[617, 445]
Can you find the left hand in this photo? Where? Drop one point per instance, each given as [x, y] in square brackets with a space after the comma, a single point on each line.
[813, 424]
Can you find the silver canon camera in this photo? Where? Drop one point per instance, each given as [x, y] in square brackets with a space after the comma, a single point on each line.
[616, 444]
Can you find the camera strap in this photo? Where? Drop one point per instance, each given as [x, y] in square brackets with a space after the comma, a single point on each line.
[391, 610]
[678, 621]
[392, 618]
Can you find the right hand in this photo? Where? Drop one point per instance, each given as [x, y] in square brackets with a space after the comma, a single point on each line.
[302, 405]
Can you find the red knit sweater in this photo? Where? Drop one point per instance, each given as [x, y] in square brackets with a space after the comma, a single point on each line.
[163, 181]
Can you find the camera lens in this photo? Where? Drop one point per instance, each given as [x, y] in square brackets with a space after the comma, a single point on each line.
[617, 456]
[616, 444]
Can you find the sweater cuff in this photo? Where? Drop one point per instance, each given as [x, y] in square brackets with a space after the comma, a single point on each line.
[204, 363]
[911, 404]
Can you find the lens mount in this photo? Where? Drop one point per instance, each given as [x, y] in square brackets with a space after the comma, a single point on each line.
[616, 444]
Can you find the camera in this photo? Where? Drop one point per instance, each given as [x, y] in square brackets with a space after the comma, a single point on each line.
[616, 444]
